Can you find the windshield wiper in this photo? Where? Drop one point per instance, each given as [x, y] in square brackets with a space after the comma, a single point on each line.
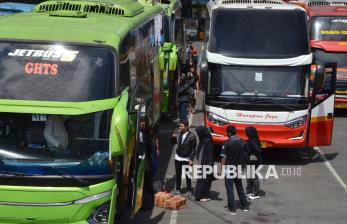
[275, 104]
[229, 104]
[62, 174]
[67, 175]
[15, 174]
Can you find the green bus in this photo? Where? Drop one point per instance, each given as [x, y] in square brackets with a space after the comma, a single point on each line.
[170, 52]
[84, 72]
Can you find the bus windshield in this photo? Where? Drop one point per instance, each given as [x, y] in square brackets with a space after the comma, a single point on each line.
[329, 28]
[52, 145]
[63, 73]
[255, 33]
[251, 82]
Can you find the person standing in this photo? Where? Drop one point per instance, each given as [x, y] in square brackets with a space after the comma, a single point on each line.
[183, 92]
[194, 57]
[191, 80]
[254, 158]
[233, 154]
[185, 152]
[155, 150]
[188, 54]
[204, 156]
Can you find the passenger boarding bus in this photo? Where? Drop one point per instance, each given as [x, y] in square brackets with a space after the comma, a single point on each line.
[83, 73]
[256, 69]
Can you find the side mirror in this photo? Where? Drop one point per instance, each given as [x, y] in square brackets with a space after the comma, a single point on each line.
[207, 30]
[324, 81]
[204, 74]
[207, 36]
[319, 77]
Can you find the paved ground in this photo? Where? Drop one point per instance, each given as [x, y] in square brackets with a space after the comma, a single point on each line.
[314, 197]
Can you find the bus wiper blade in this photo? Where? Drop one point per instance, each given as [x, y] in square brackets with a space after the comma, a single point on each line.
[275, 104]
[286, 107]
[15, 174]
[67, 175]
[229, 104]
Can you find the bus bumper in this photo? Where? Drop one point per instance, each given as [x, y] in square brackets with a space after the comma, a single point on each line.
[55, 205]
[271, 136]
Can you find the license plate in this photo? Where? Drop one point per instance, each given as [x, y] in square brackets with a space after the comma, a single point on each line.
[38, 117]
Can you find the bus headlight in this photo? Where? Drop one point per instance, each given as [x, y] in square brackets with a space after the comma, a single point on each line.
[213, 118]
[296, 123]
[100, 215]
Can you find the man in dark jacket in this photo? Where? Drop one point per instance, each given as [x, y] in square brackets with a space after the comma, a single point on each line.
[185, 152]
[233, 154]
[183, 97]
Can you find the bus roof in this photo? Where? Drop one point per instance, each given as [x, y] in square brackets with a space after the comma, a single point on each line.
[327, 11]
[169, 6]
[254, 4]
[323, 7]
[103, 21]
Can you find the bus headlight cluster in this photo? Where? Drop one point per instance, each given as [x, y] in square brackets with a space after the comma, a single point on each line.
[296, 123]
[100, 215]
[213, 118]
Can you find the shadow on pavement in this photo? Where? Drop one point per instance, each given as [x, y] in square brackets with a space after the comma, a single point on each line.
[340, 112]
[142, 217]
[214, 195]
[293, 157]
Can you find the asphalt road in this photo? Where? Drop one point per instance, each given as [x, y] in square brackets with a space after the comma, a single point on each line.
[316, 196]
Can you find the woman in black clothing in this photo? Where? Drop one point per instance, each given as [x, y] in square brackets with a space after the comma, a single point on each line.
[204, 156]
[254, 158]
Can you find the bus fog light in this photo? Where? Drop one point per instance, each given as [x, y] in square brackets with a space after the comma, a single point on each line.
[100, 215]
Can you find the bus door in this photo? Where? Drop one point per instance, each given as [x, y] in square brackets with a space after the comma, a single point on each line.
[139, 165]
[323, 103]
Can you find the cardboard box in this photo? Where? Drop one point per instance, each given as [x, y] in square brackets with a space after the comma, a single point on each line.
[160, 198]
[175, 203]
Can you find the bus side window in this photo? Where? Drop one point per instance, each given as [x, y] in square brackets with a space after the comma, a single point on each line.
[125, 60]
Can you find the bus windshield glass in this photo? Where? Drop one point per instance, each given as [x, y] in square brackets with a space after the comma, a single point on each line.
[258, 81]
[255, 33]
[329, 28]
[55, 72]
[52, 145]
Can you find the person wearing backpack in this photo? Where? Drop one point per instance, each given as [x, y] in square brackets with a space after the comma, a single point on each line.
[254, 157]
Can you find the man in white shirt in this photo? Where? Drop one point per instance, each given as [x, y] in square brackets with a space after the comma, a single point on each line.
[186, 144]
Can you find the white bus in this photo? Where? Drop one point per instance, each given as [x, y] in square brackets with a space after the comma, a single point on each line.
[256, 72]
